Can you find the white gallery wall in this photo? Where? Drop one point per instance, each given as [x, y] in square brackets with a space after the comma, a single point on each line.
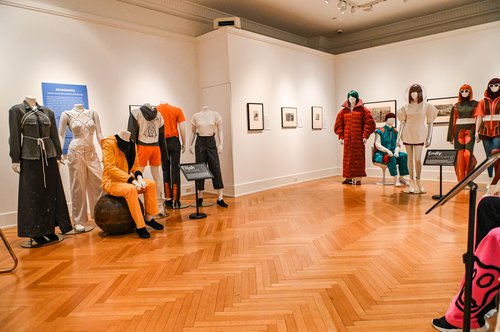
[119, 67]
[279, 74]
[441, 63]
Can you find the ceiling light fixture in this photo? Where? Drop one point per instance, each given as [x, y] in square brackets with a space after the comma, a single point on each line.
[342, 5]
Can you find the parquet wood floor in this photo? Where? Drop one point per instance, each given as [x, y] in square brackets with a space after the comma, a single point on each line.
[315, 256]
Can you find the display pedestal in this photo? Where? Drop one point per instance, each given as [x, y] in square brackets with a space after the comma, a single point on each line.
[74, 231]
[469, 255]
[193, 172]
[32, 244]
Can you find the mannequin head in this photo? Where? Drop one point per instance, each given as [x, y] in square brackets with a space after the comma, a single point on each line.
[415, 95]
[493, 89]
[465, 93]
[353, 97]
[205, 108]
[390, 119]
[78, 106]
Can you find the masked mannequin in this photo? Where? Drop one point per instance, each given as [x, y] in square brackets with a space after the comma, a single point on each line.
[204, 125]
[35, 150]
[354, 125]
[174, 127]
[488, 119]
[122, 177]
[415, 134]
[146, 126]
[461, 131]
[388, 152]
[85, 171]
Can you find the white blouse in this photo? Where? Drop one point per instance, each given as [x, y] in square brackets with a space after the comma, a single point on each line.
[415, 117]
[206, 122]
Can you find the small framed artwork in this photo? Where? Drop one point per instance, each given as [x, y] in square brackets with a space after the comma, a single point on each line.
[380, 108]
[444, 106]
[289, 117]
[255, 115]
[317, 117]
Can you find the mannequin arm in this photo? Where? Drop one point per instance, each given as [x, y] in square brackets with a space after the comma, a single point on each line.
[429, 134]
[479, 122]
[182, 133]
[220, 136]
[193, 138]
[400, 133]
[63, 124]
[379, 145]
[54, 136]
[98, 131]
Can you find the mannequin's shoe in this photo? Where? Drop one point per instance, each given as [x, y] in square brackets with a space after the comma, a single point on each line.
[347, 181]
[143, 233]
[404, 181]
[222, 203]
[52, 237]
[398, 183]
[411, 187]
[169, 204]
[154, 224]
[79, 228]
[177, 204]
[420, 187]
[40, 240]
[441, 324]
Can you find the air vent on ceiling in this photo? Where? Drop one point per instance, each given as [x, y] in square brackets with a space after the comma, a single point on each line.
[227, 21]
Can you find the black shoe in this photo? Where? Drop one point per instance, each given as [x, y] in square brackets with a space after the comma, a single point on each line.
[177, 204]
[169, 204]
[200, 201]
[52, 237]
[347, 181]
[441, 324]
[143, 233]
[40, 240]
[222, 203]
[154, 224]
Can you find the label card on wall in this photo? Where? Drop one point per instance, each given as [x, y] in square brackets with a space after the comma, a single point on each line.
[267, 122]
[60, 97]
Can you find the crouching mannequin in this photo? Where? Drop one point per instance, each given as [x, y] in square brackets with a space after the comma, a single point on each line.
[388, 152]
[122, 177]
[415, 134]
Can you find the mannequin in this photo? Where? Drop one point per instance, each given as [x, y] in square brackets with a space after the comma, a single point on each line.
[122, 177]
[461, 131]
[147, 130]
[204, 125]
[354, 125]
[415, 134]
[488, 119]
[174, 125]
[34, 150]
[388, 152]
[85, 170]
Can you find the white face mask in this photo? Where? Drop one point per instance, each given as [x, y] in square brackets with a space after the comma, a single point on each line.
[391, 122]
[494, 87]
[464, 93]
[352, 100]
[414, 96]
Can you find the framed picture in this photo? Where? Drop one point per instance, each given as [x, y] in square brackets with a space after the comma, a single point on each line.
[255, 115]
[380, 108]
[317, 117]
[444, 106]
[289, 117]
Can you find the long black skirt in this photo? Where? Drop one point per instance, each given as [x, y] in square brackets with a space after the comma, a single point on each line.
[41, 209]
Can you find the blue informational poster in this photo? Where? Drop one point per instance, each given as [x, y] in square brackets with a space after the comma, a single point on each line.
[62, 97]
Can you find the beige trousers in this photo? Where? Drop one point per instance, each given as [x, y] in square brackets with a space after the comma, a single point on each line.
[85, 174]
